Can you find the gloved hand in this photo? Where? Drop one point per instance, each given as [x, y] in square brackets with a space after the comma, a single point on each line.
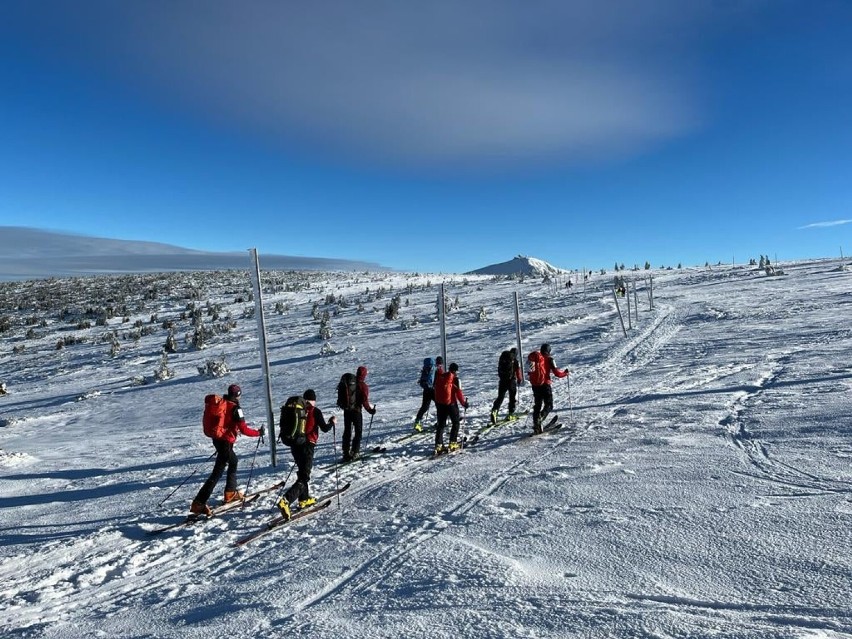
[372, 411]
[261, 431]
[466, 405]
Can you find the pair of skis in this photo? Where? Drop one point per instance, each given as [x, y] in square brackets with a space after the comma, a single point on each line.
[553, 425]
[321, 504]
[217, 511]
[377, 450]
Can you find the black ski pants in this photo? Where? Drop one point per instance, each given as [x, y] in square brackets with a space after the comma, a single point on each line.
[225, 456]
[445, 411]
[303, 455]
[428, 397]
[543, 405]
[353, 427]
[506, 386]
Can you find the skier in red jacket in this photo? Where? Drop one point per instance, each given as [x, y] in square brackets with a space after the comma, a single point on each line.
[542, 391]
[225, 456]
[448, 396]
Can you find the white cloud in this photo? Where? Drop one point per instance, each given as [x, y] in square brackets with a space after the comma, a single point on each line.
[816, 225]
[473, 84]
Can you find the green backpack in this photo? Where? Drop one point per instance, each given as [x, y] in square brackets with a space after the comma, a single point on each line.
[294, 418]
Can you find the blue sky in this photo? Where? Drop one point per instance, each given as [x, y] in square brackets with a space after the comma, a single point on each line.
[435, 136]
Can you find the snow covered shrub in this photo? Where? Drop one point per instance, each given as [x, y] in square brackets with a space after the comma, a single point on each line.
[163, 372]
[214, 368]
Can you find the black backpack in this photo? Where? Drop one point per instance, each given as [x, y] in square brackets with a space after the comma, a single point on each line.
[346, 392]
[506, 366]
[294, 418]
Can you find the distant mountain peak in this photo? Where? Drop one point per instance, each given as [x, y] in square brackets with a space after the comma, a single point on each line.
[521, 265]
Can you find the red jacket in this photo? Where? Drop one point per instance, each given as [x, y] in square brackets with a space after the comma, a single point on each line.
[236, 422]
[551, 368]
[316, 422]
[456, 395]
[363, 390]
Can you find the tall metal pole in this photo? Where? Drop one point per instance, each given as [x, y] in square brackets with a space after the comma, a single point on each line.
[442, 316]
[618, 308]
[627, 297]
[635, 303]
[264, 356]
[518, 333]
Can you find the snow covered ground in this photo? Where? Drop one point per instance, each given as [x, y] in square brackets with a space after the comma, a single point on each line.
[701, 486]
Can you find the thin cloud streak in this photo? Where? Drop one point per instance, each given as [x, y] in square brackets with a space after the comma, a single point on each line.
[476, 84]
[817, 225]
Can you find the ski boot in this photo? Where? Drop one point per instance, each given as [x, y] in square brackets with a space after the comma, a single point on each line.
[233, 495]
[493, 417]
[454, 446]
[418, 427]
[200, 508]
[284, 507]
[308, 501]
[441, 450]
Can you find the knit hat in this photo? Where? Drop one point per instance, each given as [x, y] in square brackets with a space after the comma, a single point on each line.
[310, 395]
[234, 391]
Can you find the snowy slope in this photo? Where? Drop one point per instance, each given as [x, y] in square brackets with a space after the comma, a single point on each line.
[520, 265]
[701, 486]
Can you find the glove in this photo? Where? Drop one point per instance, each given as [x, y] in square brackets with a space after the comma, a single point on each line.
[261, 431]
[373, 410]
[466, 405]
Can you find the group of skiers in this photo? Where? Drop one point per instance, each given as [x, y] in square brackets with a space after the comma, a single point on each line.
[353, 396]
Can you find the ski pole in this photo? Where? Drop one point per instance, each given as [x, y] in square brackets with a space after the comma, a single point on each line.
[251, 469]
[370, 427]
[336, 466]
[570, 405]
[165, 499]
[284, 483]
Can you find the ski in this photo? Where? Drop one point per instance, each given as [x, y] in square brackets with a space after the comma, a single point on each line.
[215, 512]
[417, 433]
[378, 450]
[321, 504]
[279, 522]
[551, 426]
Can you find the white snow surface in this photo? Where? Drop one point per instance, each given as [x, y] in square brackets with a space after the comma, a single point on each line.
[521, 265]
[701, 485]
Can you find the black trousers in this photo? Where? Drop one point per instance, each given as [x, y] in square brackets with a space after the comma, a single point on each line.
[353, 427]
[506, 386]
[543, 396]
[445, 411]
[304, 457]
[225, 456]
[428, 396]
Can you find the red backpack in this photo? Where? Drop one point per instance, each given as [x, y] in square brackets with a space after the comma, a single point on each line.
[215, 416]
[444, 382]
[536, 368]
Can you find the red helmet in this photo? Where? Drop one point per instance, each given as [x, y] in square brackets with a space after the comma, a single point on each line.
[234, 391]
